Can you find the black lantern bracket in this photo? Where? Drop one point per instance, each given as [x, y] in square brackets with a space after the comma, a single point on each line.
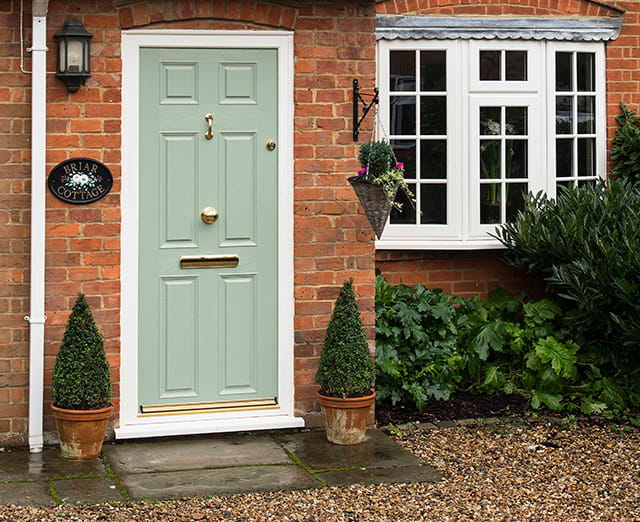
[359, 101]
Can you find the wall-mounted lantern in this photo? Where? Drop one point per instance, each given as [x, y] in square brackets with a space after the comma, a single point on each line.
[73, 54]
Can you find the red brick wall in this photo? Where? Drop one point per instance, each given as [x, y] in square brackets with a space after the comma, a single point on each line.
[476, 272]
[334, 43]
[463, 273]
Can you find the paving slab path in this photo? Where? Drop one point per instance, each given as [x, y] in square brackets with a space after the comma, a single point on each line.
[205, 465]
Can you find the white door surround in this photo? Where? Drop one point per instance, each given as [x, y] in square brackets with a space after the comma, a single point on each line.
[131, 424]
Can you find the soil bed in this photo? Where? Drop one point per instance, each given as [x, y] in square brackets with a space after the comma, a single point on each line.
[460, 406]
[469, 406]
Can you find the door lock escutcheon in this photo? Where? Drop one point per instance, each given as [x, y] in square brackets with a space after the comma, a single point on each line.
[271, 145]
[209, 215]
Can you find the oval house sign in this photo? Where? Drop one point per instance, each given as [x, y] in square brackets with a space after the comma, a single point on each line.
[80, 180]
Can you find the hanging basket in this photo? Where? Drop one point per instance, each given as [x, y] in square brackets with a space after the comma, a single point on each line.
[374, 202]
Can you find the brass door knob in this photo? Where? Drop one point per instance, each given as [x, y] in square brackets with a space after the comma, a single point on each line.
[209, 215]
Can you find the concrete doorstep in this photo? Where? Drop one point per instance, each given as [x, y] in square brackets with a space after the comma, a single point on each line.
[203, 466]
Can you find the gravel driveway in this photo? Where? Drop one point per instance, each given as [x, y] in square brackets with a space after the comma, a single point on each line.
[546, 471]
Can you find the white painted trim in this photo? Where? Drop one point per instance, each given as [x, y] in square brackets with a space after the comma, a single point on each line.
[536, 179]
[433, 244]
[601, 106]
[194, 427]
[130, 424]
[535, 57]
[452, 230]
[462, 233]
[36, 316]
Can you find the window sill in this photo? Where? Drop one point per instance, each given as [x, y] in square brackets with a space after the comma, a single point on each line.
[418, 244]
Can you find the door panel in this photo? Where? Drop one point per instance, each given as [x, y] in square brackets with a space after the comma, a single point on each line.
[178, 194]
[207, 334]
[178, 298]
[239, 164]
[239, 339]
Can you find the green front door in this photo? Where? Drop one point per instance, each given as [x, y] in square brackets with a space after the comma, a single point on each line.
[208, 291]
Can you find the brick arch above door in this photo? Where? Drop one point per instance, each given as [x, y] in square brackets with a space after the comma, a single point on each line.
[140, 13]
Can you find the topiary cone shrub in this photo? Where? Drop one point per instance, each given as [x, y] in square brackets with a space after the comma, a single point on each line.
[346, 368]
[81, 378]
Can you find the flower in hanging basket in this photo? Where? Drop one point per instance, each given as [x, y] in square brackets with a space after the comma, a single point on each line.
[379, 166]
[378, 181]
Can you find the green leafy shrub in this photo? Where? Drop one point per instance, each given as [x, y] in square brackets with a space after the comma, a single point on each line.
[625, 147]
[81, 379]
[512, 345]
[430, 344]
[346, 368]
[586, 243]
[416, 344]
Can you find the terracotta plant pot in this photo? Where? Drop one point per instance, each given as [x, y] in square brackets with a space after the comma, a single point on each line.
[81, 432]
[345, 420]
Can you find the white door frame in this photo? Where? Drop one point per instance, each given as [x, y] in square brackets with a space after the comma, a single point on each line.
[131, 424]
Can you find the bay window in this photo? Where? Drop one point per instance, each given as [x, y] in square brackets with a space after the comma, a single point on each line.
[479, 123]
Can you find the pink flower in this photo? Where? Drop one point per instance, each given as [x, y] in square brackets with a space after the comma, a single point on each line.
[362, 171]
[400, 166]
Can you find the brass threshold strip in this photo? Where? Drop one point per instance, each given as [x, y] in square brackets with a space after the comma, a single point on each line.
[203, 407]
[228, 261]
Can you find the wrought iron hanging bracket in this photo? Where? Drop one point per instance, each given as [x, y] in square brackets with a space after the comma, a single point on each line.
[359, 101]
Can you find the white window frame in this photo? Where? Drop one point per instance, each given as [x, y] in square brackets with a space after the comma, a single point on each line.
[601, 106]
[463, 93]
[535, 141]
[451, 231]
[535, 60]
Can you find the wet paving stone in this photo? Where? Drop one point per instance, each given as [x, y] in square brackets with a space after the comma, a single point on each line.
[26, 494]
[225, 481]
[377, 451]
[19, 464]
[194, 453]
[87, 491]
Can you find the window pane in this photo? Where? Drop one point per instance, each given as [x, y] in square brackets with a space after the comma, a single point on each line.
[490, 159]
[516, 121]
[433, 204]
[564, 114]
[407, 216]
[433, 159]
[564, 76]
[433, 115]
[515, 199]
[490, 199]
[586, 72]
[586, 183]
[564, 158]
[403, 114]
[490, 121]
[433, 70]
[516, 161]
[586, 156]
[586, 114]
[490, 66]
[402, 68]
[563, 185]
[516, 66]
[405, 152]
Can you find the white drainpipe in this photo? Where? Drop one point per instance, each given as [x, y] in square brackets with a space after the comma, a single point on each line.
[38, 146]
